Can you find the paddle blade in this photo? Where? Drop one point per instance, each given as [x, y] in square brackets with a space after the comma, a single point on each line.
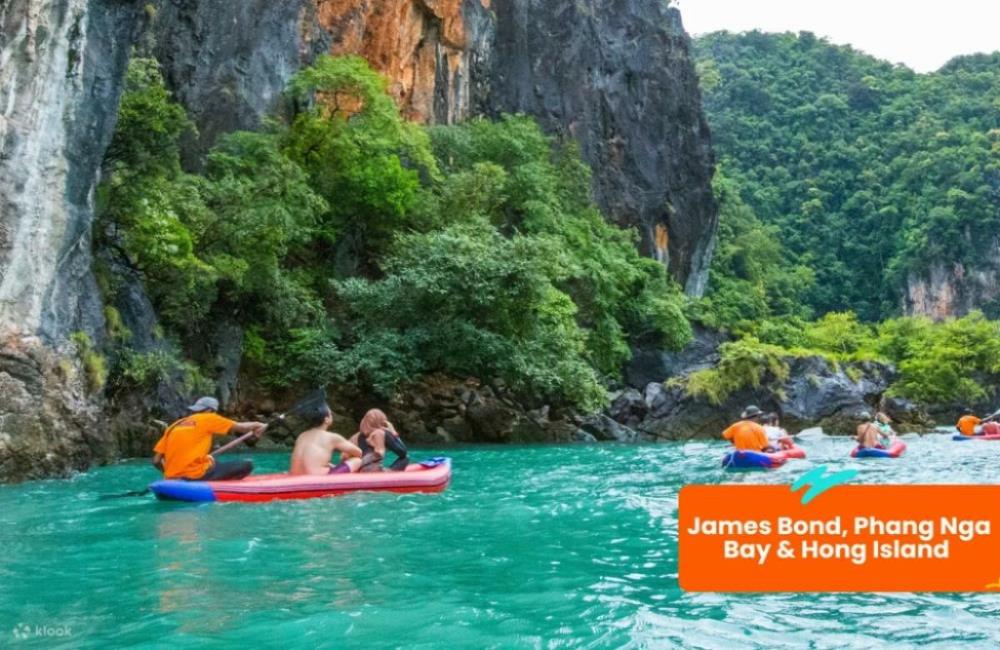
[124, 495]
[313, 399]
[813, 433]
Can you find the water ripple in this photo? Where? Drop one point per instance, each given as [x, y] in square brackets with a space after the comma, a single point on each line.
[540, 547]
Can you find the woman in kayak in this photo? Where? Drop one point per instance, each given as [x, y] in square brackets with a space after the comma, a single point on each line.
[376, 435]
[777, 437]
[314, 448]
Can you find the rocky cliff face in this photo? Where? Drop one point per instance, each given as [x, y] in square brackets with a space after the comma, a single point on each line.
[816, 393]
[431, 50]
[61, 65]
[615, 75]
[948, 290]
[228, 62]
[60, 69]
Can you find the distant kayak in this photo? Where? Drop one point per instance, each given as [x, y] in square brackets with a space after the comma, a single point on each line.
[895, 450]
[761, 460]
[433, 477]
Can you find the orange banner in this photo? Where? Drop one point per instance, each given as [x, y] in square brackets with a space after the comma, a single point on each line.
[850, 538]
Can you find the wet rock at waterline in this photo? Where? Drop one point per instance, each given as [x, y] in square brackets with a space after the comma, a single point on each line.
[443, 410]
[49, 426]
[816, 393]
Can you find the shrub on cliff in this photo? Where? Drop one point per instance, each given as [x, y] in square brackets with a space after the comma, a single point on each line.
[476, 248]
[949, 362]
[956, 361]
[743, 363]
[466, 300]
[511, 272]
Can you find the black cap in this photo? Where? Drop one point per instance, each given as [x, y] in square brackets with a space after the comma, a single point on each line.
[751, 412]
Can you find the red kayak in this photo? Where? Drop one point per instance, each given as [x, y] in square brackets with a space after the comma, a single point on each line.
[433, 476]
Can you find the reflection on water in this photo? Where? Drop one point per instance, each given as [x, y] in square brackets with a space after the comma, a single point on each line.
[529, 547]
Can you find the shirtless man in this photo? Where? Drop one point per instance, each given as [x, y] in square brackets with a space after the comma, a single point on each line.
[314, 448]
[877, 434]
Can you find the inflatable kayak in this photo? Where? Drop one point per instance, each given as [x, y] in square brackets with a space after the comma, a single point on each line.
[433, 477]
[960, 438]
[761, 460]
[895, 450]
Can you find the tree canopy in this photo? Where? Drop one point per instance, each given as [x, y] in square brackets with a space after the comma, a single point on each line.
[869, 172]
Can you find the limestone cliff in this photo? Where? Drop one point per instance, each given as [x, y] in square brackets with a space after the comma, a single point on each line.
[615, 75]
[61, 65]
[427, 48]
[60, 70]
[948, 290]
[228, 62]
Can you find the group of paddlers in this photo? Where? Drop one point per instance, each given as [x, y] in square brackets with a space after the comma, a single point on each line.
[762, 432]
[184, 450]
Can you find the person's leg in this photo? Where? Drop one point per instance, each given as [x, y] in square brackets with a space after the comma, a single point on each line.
[229, 471]
[371, 462]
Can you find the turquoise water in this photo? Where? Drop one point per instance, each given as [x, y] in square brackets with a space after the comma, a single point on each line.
[530, 547]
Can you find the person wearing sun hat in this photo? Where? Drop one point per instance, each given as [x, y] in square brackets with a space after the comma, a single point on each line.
[748, 434]
[183, 450]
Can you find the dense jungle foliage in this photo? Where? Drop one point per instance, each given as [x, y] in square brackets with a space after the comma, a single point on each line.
[355, 247]
[862, 171]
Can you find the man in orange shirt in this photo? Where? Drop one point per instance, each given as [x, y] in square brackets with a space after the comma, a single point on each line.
[748, 434]
[183, 451]
[967, 424]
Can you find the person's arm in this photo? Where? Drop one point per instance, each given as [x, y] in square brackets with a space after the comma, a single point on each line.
[728, 433]
[247, 427]
[158, 461]
[347, 448]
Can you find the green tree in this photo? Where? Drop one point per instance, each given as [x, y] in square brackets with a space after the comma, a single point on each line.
[359, 153]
